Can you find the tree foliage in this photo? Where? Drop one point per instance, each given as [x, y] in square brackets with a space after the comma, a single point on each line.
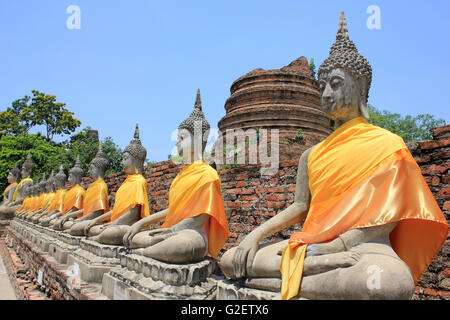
[41, 110]
[409, 128]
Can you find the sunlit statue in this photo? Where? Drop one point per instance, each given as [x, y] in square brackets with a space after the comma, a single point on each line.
[95, 200]
[19, 192]
[371, 223]
[40, 193]
[74, 198]
[131, 201]
[195, 223]
[28, 203]
[57, 203]
[8, 193]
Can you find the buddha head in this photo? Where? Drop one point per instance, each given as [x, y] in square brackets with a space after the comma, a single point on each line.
[76, 173]
[344, 79]
[99, 164]
[60, 179]
[134, 155]
[14, 174]
[193, 133]
[27, 167]
[50, 183]
[42, 184]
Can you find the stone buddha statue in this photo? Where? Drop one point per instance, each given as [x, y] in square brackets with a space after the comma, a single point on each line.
[95, 201]
[195, 223]
[29, 202]
[57, 202]
[41, 194]
[47, 187]
[74, 198]
[8, 193]
[131, 201]
[19, 194]
[371, 223]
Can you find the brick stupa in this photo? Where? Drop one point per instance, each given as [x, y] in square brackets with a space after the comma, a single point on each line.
[287, 99]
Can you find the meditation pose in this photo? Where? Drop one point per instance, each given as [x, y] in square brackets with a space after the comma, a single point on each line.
[39, 191]
[195, 222]
[27, 203]
[74, 198]
[8, 193]
[372, 225]
[95, 200]
[57, 203]
[47, 187]
[131, 202]
[19, 192]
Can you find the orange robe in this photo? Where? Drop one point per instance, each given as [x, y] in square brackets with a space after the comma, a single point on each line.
[37, 204]
[20, 183]
[196, 190]
[25, 205]
[57, 201]
[9, 187]
[363, 176]
[73, 199]
[96, 197]
[47, 200]
[131, 193]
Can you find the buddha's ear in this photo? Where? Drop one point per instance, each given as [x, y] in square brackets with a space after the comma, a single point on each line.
[363, 102]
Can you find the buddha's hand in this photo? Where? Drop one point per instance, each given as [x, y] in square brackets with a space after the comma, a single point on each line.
[89, 226]
[128, 237]
[317, 249]
[244, 255]
[161, 234]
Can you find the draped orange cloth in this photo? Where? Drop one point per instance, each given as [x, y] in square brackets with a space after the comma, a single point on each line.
[57, 202]
[25, 205]
[196, 190]
[47, 200]
[73, 199]
[96, 197]
[131, 193]
[9, 187]
[37, 203]
[363, 176]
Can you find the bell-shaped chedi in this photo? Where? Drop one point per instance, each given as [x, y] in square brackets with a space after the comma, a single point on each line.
[287, 99]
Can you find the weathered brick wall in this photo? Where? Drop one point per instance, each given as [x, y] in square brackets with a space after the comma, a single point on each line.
[251, 199]
[433, 157]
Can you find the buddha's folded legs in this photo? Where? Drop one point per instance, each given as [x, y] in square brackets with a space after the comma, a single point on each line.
[112, 235]
[185, 246]
[77, 228]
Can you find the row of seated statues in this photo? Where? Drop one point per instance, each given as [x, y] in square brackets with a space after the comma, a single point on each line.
[360, 195]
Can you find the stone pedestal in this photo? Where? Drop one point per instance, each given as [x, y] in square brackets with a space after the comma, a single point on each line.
[141, 277]
[93, 259]
[63, 246]
[234, 290]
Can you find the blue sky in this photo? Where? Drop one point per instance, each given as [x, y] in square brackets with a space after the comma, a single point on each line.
[141, 61]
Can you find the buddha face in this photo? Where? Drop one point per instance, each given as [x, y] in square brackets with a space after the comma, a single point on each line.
[129, 163]
[11, 178]
[184, 142]
[72, 179]
[25, 172]
[340, 94]
[95, 172]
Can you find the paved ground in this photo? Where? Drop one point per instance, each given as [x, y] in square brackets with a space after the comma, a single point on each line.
[6, 290]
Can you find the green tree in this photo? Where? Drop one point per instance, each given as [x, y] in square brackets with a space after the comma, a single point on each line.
[18, 118]
[312, 68]
[408, 127]
[53, 115]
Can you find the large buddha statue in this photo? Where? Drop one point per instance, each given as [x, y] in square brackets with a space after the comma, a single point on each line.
[371, 223]
[57, 203]
[195, 223]
[27, 203]
[8, 193]
[95, 200]
[131, 201]
[74, 198]
[19, 194]
[39, 191]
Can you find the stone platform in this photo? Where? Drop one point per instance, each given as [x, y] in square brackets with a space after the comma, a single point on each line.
[144, 278]
[233, 290]
[93, 259]
[64, 245]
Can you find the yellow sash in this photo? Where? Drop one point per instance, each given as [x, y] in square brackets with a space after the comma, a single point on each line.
[24, 205]
[73, 198]
[96, 197]
[47, 200]
[37, 203]
[196, 190]
[20, 183]
[363, 176]
[131, 193]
